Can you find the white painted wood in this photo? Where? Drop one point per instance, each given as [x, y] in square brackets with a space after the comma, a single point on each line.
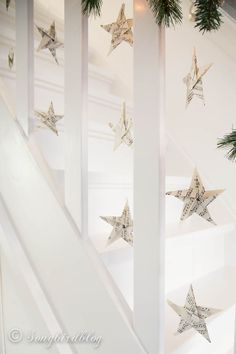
[20, 311]
[25, 62]
[13, 248]
[2, 314]
[149, 179]
[76, 76]
[72, 279]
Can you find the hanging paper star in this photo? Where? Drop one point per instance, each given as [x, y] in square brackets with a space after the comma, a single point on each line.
[193, 80]
[196, 199]
[122, 130]
[7, 4]
[193, 316]
[49, 40]
[11, 58]
[122, 226]
[120, 30]
[49, 118]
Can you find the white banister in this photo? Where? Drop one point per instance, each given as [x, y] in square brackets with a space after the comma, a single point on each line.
[149, 179]
[24, 62]
[76, 76]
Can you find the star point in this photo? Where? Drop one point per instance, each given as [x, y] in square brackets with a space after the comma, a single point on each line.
[196, 199]
[193, 316]
[7, 4]
[122, 226]
[49, 119]
[121, 30]
[122, 130]
[193, 80]
[49, 40]
[11, 57]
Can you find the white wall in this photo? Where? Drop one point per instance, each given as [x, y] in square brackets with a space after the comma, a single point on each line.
[197, 128]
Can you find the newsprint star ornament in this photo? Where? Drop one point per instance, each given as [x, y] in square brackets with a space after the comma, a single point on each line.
[193, 80]
[49, 40]
[123, 130]
[120, 30]
[207, 13]
[193, 316]
[122, 226]
[49, 119]
[196, 199]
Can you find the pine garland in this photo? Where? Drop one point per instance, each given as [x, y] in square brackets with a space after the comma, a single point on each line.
[208, 16]
[229, 142]
[166, 12]
[92, 7]
[169, 12]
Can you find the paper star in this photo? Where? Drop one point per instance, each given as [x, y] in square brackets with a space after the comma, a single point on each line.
[196, 199]
[120, 30]
[11, 58]
[7, 4]
[193, 80]
[49, 40]
[49, 118]
[122, 226]
[193, 316]
[122, 130]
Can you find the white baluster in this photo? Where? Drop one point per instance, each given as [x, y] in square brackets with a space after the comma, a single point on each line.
[149, 179]
[24, 62]
[76, 74]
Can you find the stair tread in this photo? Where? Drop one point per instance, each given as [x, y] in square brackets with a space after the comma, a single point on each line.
[100, 243]
[105, 177]
[172, 230]
[196, 225]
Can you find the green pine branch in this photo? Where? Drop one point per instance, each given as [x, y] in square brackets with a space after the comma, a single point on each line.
[92, 7]
[208, 16]
[167, 12]
[229, 142]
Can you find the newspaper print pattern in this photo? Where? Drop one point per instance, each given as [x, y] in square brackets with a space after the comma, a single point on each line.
[122, 226]
[193, 316]
[193, 80]
[11, 57]
[49, 40]
[196, 199]
[120, 30]
[7, 4]
[122, 130]
[49, 119]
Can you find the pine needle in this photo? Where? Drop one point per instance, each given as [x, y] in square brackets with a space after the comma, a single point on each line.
[208, 15]
[92, 7]
[229, 142]
[167, 12]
